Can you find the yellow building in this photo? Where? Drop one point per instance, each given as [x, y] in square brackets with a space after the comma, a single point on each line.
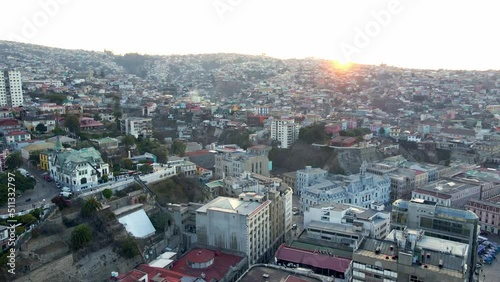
[44, 161]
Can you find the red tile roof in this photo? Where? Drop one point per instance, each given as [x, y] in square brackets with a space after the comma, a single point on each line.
[20, 132]
[313, 259]
[197, 153]
[8, 122]
[155, 274]
[219, 268]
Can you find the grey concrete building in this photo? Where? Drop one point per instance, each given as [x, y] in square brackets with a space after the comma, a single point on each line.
[410, 256]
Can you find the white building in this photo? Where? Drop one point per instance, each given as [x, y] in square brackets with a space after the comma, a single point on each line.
[275, 190]
[11, 91]
[360, 189]
[232, 161]
[137, 127]
[305, 177]
[285, 131]
[237, 225]
[367, 222]
[78, 170]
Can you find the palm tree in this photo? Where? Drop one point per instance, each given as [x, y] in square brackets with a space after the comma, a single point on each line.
[81, 235]
[91, 206]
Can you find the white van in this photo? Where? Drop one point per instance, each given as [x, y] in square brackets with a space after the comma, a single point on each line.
[65, 194]
[66, 189]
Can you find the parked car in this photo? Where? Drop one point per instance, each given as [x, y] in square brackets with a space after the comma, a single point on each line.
[294, 226]
[66, 194]
[29, 199]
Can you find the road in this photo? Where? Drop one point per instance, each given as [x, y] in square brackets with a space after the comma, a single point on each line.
[297, 219]
[43, 191]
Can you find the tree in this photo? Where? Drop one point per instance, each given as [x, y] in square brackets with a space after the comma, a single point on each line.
[56, 98]
[159, 221]
[178, 147]
[28, 219]
[128, 248]
[107, 193]
[81, 235]
[72, 123]
[97, 117]
[58, 131]
[41, 128]
[127, 163]
[34, 159]
[105, 178]
[128, 141]
[381, 131]
[60, 202]
[91, 206]
[22, 183]
[145, 169]
[161, 154]
[313, 134]
[14, 161]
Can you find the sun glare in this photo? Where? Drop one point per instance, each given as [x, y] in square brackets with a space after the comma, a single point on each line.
[342, 65]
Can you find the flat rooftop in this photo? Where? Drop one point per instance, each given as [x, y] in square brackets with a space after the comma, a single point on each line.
[333, 227]
[256, 273]
[452, 265]
[448, 187]
[232, 205]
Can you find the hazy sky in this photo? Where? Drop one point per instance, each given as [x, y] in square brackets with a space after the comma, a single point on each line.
[419, 34]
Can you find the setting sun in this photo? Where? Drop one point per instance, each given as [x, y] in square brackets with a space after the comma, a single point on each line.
[342, 65]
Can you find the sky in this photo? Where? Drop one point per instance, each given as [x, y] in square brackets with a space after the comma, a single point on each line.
[442, 34]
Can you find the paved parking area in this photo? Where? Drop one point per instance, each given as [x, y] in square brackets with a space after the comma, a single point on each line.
[491, 273]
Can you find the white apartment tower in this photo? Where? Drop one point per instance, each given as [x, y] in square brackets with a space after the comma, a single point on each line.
[11, 91]
[285, 131]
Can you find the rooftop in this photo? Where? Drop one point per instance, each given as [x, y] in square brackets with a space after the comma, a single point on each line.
[255, 273]
[217, 270]
[447, 187]
[138, 223]
[232, 205]
[314, 259]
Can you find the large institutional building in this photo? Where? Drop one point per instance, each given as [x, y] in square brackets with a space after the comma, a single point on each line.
[285, 132]
[363, 189]
[236, 224]
[11, 91]
[78, 170]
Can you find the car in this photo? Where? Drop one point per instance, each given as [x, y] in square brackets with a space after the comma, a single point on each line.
[295, 212]
[294, 226]
[66, 194]
[58, 185]
[29, 199]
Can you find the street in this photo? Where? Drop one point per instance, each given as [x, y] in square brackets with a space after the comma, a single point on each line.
[297, 219]
[43, 191]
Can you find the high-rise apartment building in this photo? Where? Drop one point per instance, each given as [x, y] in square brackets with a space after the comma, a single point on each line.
[11, 91]
[285, 132]
[137, 127]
